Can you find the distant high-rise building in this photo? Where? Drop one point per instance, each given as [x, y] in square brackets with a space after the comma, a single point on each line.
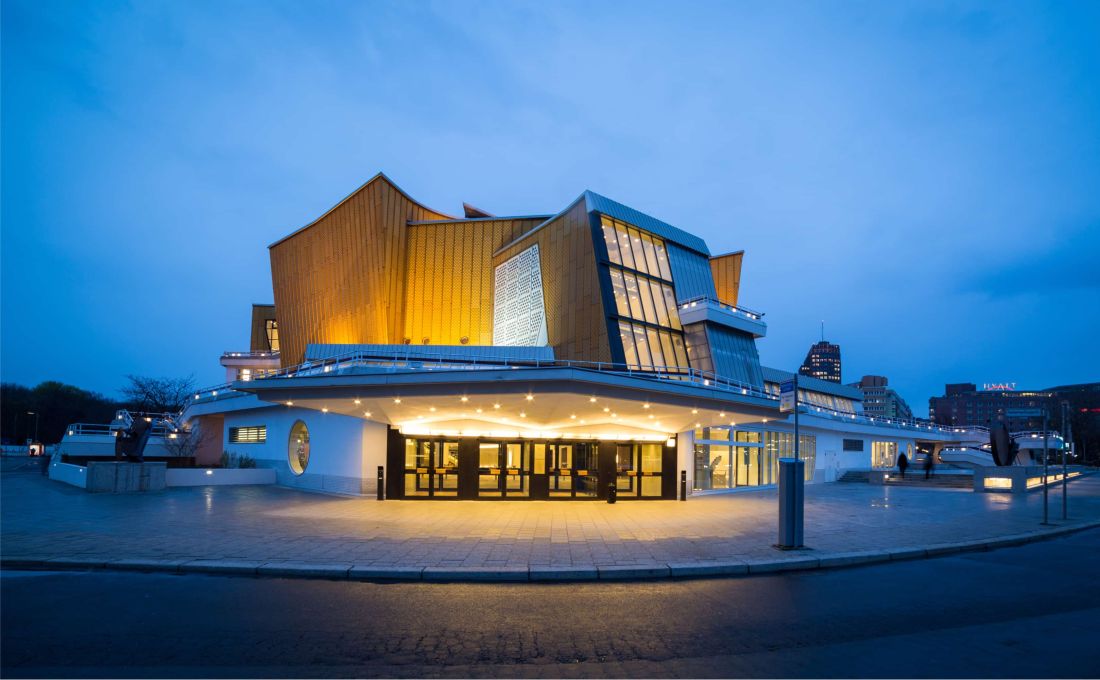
[965, 404]
[822, 362]
[880, 400]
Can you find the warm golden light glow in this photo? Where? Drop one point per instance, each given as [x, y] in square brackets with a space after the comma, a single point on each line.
[397, 401]
[324, 410]
[530, 397]
[465, 399]
[358, 401]
[367, 414]
[592, 400]
[496, 405]
[290, 403]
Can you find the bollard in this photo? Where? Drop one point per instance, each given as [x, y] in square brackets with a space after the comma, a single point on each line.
[791, 502]
[381, 484]
[683, 485]
[612, 493]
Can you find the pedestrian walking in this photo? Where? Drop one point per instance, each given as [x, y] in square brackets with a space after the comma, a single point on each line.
[928, 464]
[903, 462]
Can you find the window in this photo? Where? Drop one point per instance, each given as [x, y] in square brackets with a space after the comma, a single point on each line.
[884, 454]
[853, 444]
[298, 448]
[252, 434]
[645, 301]
[272, 329]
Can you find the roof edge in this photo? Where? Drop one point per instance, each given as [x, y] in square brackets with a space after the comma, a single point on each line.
[379, 175]
[532, 230]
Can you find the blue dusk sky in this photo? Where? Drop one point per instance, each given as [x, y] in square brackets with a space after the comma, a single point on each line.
[925, 177]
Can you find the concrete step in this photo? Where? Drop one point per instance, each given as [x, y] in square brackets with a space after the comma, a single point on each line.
[955, 481]
[855, 477]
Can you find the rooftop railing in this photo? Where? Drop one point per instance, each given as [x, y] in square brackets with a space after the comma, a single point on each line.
[715, 302]
[250, 355]
[417, 361]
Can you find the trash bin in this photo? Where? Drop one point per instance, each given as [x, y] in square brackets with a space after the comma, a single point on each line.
[791, 502]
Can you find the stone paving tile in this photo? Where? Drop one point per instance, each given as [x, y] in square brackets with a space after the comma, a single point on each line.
[47, 520]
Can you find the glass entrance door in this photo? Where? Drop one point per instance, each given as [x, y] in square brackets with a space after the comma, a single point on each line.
[504, 469]
[572, 470]
[638, 470]
[431, 468]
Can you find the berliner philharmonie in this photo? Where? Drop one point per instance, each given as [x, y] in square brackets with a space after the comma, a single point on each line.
[520, 357]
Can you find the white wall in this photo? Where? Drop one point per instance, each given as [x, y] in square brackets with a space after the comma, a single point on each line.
[344, 452]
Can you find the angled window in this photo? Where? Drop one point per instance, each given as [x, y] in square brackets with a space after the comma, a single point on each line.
[645, 301]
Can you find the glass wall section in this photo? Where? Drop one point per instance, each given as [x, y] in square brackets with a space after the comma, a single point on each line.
[747, 459]
[884, 454]
[645, 300]
[734, 355]
[691, 272]
[698, 349]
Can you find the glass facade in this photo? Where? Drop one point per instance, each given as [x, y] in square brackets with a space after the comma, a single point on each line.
[726, 459]
[645, 300]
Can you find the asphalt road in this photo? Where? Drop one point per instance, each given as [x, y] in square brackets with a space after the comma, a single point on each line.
[1029, 611]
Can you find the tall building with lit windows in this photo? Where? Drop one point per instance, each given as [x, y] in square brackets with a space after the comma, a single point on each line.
[822, 362]
[539, 356]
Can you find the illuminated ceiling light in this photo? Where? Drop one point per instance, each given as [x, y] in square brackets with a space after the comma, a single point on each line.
[592, 400]
[651, 416]
[358, 401]
[573, 416]
[290, 403]
[366, 413]
[670, 442]
[496, 405]
[614, 415]
[478, 410]
[522, 414]
[397, 401]
[432, 409]
[530, 397]
[464, 399]
[765, 420]
[420, 417]
[658, 423]
[733, 424]
[646, 405]
[698, 424]
[583, 422]
[694, 411]
[607, 409]
[722, 414]
[324, 410]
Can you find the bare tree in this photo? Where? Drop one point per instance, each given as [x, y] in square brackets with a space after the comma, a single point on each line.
[158, 395]
[185, 442]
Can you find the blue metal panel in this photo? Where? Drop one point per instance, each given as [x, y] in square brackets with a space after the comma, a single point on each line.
[597, 203]
[734, 355]
[691, 275]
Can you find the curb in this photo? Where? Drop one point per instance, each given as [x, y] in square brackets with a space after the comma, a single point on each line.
[541, 574]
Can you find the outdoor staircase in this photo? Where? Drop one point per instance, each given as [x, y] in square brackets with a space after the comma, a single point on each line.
[855, 477]
[916, 478]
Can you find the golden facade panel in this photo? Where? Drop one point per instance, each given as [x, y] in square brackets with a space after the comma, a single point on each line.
[576, 322]
[726, 270]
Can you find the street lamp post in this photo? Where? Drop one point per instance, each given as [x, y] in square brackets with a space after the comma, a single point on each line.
[35, 414]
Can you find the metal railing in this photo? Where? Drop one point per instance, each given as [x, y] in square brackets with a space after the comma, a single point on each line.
[750, 314]
[415, 361]
[900, 423]
[250, 355]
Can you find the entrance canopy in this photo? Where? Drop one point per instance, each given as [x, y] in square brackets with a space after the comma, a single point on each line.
[534, 402]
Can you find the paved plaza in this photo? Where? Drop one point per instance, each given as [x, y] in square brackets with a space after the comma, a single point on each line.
[264, 525]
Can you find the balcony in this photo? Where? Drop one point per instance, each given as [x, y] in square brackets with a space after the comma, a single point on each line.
[700, 309]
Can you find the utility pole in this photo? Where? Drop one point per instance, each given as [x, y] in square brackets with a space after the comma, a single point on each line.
[35, 414]
[1065, 450]
[1046, 466]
